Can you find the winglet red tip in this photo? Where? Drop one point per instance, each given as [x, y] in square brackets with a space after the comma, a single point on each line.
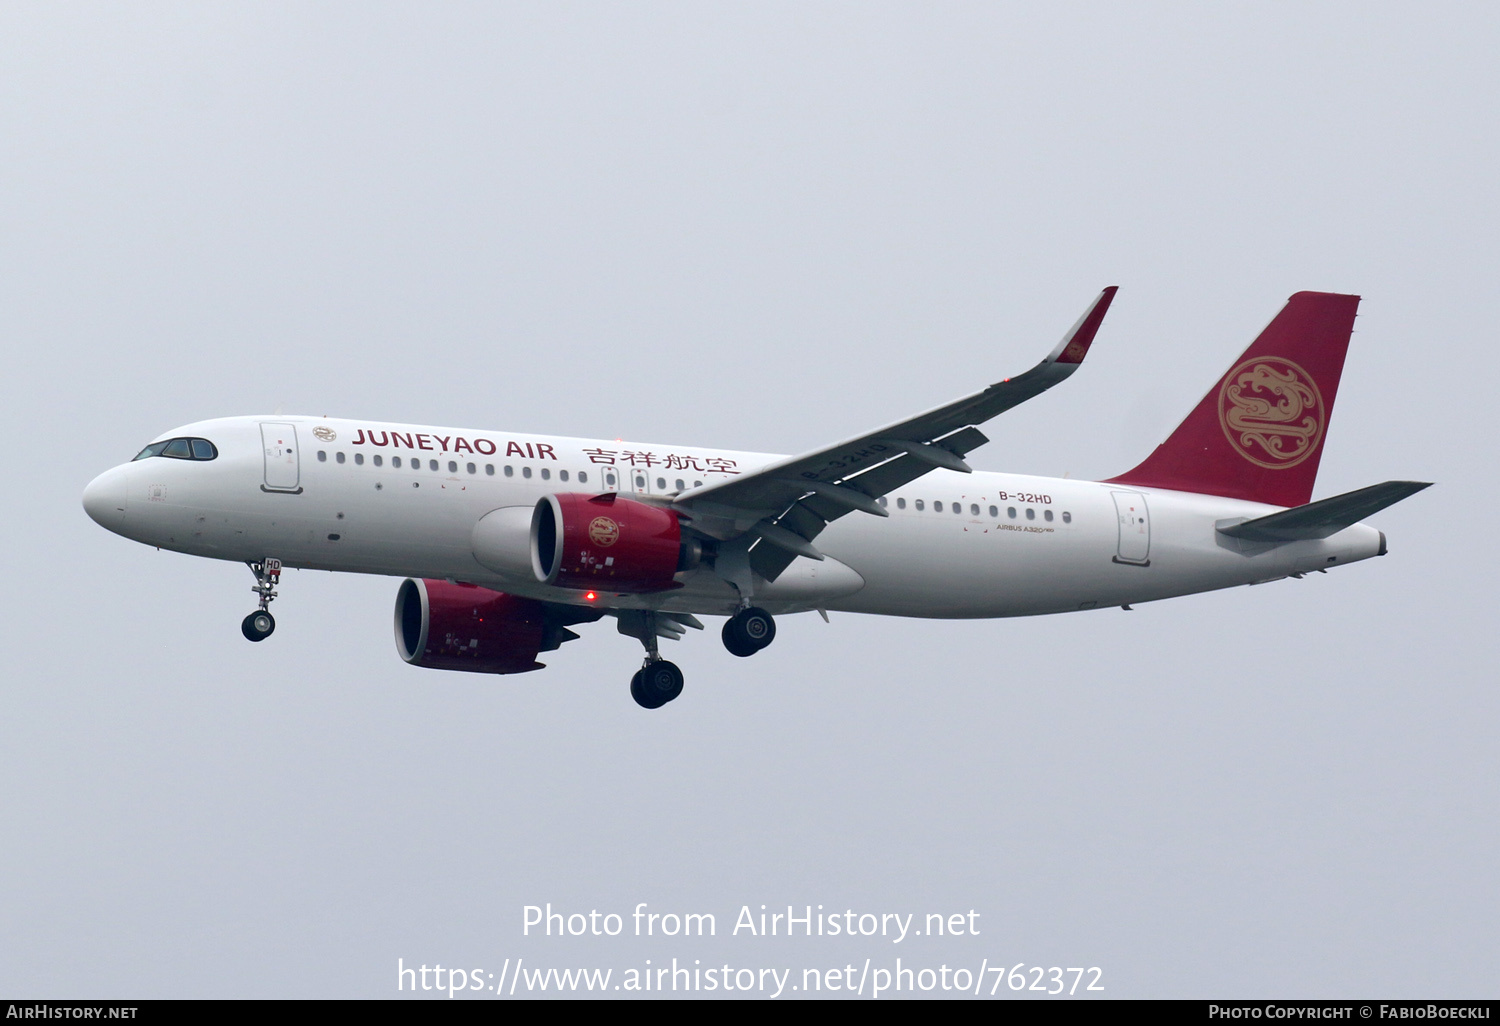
[1075, 344]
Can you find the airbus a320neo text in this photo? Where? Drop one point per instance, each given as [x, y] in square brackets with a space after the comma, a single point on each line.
[509, 540]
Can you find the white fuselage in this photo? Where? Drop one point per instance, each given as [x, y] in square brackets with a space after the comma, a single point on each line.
[329, 494]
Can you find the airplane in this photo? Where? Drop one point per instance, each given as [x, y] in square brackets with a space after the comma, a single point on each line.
[508, 540]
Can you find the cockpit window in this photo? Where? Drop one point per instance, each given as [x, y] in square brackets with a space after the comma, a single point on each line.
[181, 449]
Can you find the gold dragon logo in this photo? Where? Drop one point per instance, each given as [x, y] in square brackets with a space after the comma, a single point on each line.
[1272, 412]
[603, 532]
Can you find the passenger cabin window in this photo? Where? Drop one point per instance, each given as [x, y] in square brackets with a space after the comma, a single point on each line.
[900, 503]
[396, 462]
[510, 471]
[680, 485]
[1046, 514]
[546, 474]
[937, 507]
[322, 456]
[994, 511]
[583, 477]
[1010, 511]
[974, 509]
[1067, 517]
[359, 459]
[472, 469]
[525, 471]
[379, 459]
[338, 457]
[920, 506]
[489, 468]
[432, 464]
[562, 475]
[200, 449]
[661, 484]
[1030, 513]
[453, 466]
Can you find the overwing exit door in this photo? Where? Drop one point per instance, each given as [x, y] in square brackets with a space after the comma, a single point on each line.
[637, 480]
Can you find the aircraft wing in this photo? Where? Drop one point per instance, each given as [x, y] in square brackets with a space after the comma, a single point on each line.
[785, 505]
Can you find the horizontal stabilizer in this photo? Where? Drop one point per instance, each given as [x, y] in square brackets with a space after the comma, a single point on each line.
[1325, 517]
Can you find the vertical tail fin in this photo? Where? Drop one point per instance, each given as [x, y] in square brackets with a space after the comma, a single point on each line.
[1258, 434]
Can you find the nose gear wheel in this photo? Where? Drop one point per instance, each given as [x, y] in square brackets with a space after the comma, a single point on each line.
[259, 624]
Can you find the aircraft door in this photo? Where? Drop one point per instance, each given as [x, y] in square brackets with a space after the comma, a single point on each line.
[282, 455]
[1135, 528]
[637, 480]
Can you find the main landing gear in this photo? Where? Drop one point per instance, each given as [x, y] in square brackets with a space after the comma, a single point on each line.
[749, 631]
[658, 681]
[259, 624]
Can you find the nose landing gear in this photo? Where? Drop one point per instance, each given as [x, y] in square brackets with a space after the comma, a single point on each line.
[259, 624]
[749, 631]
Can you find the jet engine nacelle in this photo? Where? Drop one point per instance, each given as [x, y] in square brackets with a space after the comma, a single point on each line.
[446, 626]
[608, 542]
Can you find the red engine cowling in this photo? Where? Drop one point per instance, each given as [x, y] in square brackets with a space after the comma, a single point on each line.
[606, 541]
[446, 626]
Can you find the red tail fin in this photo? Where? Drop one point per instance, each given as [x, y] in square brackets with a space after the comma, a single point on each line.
[1258, 434]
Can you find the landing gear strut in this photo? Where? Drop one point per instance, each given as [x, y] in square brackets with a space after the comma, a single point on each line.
[658, 681]
[749, 631]
[259, 624]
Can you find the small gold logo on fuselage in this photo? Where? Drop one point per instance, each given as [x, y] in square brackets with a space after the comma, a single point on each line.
[326, 434]
[1272, 412]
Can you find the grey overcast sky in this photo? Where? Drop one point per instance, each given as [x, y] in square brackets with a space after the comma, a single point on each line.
[760, 226]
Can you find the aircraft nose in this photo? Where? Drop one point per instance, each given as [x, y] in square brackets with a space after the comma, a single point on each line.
[104, 499]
